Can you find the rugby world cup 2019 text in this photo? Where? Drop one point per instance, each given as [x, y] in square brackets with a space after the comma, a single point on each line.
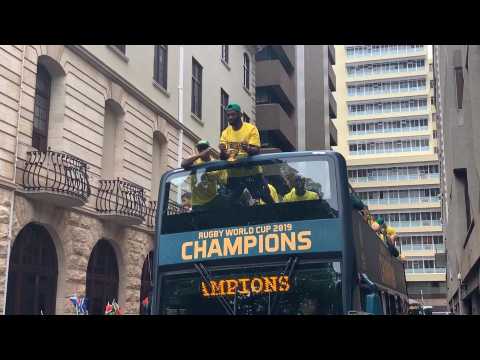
[279, 238]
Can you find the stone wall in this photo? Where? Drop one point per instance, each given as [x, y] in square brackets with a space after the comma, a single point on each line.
[5, 203]
[74, 235]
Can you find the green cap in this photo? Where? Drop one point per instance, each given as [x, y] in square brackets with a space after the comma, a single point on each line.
[379, 220]
[233, 106]
[203, 143]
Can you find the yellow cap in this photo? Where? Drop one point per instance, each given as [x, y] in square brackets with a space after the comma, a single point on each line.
[391, 231]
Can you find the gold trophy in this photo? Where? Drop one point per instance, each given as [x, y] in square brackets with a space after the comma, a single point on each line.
[233, 152]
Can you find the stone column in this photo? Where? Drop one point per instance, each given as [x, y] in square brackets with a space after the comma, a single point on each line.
[5, 203]
[79, 236]
[136, 247]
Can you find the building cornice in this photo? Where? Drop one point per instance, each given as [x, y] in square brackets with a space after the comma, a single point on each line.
[7, 184]
[130, 88]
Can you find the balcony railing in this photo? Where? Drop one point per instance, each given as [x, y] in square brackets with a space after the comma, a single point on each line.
[426, 271]
[57, 177]
[122, 201]
[420, 247]
[150, 214]
[415, 223]
[393, 177]
[403, 201]
[357, 52]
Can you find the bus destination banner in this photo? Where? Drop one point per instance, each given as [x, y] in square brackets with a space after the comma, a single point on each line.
[308, 236]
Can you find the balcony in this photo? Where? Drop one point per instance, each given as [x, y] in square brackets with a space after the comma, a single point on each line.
[121, 202]
[385, 53]
[270, 73]
[286, 54]
[331, 54]
[56, 177]
[332, 106]
[150, 214]
[332, 79]
[273, 117]
[333, 134]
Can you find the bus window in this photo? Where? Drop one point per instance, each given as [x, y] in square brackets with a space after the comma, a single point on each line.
[214, 194]
[312, 290]
[393, 310]
[385, 302]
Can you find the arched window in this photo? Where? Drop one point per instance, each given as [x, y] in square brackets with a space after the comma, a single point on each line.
[159, 162]
[33, 271]
[147, 283]
[111, 140]
[246, 71]
[102, 277]
[41, 109]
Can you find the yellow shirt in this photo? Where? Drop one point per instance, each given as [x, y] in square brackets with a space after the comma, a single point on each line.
[247, 134]
[205, 189]
[273, 193]
[292, 196]
[233, 139]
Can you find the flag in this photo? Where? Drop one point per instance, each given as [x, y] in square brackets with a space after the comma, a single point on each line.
[74, 300]
[108, 309]
[83, 306]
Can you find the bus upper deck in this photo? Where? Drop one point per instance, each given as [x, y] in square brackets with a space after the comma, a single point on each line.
[232, 251]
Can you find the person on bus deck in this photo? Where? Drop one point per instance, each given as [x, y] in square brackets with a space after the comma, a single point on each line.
[273, 193]
[357, 204]
[376, 225]
[186, 202]
[241, 139]
[392, 237]
[205, 188]
[204, 155]
[300, 192]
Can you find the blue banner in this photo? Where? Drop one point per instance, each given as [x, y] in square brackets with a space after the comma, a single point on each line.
[308, 236]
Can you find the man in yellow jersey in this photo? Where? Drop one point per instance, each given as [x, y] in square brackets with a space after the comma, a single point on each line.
[273, 194]
[299, 192]
[204, 186]
[241, 139]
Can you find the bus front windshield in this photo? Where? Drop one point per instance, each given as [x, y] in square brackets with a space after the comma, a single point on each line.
[260, 290]
[249, 193]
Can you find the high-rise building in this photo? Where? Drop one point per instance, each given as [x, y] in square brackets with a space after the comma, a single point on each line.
[457, 74]
[295, 105]
[388, 135]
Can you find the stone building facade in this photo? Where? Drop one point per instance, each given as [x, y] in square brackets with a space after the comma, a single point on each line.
[457, 79]
[86, 135]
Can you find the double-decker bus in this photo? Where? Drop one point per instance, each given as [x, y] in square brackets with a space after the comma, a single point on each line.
[239, 256]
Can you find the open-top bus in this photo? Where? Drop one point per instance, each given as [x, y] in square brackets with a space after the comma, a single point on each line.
[244, 257]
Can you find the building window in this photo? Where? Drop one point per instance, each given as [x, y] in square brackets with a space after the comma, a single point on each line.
[160, 65]
[246, 71]
[33, 266]
[112, 139]
[462, 181]
[102, 277]
[121, 48]
[197, 88]
[225, 50]
[459, 86]
[223, 104]
[41, 109]
[431, 84]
